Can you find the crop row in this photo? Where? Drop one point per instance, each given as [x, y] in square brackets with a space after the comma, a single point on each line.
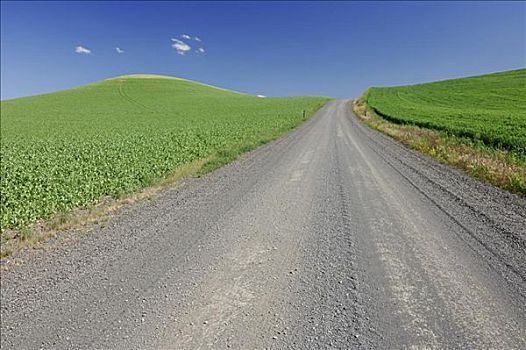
[68, 150]
[490, 109]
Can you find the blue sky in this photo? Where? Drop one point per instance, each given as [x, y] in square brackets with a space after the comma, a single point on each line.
[293, 48]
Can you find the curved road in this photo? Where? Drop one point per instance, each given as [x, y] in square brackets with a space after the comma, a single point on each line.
[333, 237]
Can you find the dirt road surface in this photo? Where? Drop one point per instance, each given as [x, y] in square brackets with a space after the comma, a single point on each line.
[333, 237]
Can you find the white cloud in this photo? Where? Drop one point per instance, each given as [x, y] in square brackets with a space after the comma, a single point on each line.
[180, 46]
[119, 50]
[261, 96]
[82, 50]
[183, 46]
[189, 37]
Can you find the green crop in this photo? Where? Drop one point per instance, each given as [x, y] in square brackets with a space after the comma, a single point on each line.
[71, 148]
[490, 108]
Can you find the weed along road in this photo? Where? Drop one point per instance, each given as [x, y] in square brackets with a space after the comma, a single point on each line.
[332, 237]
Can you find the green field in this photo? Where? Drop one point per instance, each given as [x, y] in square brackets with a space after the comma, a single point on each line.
[71, 148]
[489, 108]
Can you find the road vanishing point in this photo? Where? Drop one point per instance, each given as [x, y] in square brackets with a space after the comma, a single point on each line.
[332, 237]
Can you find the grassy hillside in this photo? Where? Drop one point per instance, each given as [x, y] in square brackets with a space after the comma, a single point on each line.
[488, 108]
[71, 148]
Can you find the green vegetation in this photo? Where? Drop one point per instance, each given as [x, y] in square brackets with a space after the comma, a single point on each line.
[476, 124]
[71, 148]
[489, 109]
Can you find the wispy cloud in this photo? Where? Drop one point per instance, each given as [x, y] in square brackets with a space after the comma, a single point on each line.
[82, 50]
[189, 37]
[119, 50]
[180, 46]
[183, 44]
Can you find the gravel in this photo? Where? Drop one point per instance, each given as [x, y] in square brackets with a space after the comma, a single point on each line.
[333, 237]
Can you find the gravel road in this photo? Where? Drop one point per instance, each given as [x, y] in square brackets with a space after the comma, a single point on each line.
[333, 237]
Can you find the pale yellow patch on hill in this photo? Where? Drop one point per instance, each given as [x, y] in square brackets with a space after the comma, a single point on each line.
[157, 76]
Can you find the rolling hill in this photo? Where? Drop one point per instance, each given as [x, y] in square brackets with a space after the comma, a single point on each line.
[69, 149]
[488, 108]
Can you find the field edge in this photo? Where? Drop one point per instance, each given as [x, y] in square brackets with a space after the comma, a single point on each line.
[14, 241]
[498, 167]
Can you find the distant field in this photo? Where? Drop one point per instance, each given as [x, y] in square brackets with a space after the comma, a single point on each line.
[488, 108]
[71, 148]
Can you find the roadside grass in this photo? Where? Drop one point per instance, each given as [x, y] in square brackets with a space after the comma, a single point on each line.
[500, 167]
[13, 241]
[488, 109]
[70, 158]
